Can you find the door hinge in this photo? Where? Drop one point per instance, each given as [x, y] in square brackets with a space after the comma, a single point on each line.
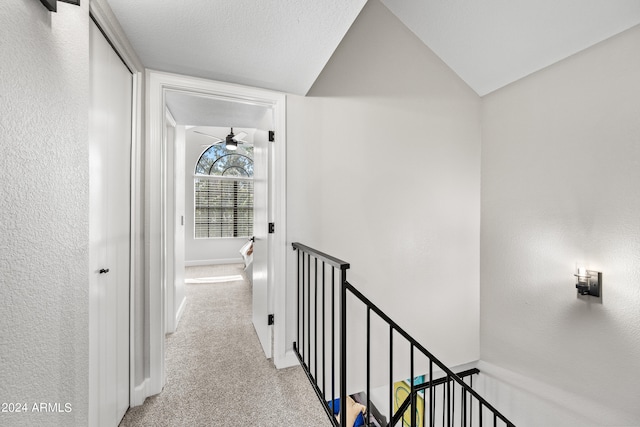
[272, 136]
[270, 319]
[272, 228]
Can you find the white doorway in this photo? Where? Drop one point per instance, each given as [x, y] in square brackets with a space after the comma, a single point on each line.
[216, 231]
[272, 298]
[226, 193]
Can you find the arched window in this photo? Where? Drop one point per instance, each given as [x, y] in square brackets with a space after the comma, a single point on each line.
[223, 186]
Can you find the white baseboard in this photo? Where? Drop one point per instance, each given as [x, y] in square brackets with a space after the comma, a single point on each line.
[139, 394]
[288, 360]
[569, 401]
[180, 311]
[199, 262]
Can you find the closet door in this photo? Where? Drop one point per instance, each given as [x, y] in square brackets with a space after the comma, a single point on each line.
[110, 232]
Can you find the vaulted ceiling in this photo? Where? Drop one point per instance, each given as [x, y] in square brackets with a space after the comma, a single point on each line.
[285, 44]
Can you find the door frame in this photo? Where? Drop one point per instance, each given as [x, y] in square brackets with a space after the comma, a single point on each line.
[106, 21]
[169, 226]
[157, 84]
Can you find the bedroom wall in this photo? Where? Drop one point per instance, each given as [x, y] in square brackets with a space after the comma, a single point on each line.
[384, 172]
[44, 176]
[560, 173]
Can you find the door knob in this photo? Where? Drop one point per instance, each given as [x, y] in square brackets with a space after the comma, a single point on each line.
[104, 270]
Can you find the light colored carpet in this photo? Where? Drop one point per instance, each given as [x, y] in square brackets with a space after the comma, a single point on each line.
[217, 374]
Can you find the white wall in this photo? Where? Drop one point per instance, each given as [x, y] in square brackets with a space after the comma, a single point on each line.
[560, 173]
[384, 172]
[44, 260]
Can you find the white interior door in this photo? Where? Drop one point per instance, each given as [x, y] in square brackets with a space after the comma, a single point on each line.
[110, 232]
[179, 293]
[261, 218]
[169, 138]
[174, 145]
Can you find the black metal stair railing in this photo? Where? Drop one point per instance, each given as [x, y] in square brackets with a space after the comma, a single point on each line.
[440, 398]
[445, 386]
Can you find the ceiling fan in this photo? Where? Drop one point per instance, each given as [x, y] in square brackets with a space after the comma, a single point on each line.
[231, 141]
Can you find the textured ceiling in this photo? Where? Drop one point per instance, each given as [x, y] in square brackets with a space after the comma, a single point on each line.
[491, 43]
[281, 45]
[285, 44]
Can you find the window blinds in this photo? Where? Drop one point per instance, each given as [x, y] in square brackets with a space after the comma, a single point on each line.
[223, 208]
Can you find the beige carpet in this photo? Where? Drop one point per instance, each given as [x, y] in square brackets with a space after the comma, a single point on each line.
[217, 374]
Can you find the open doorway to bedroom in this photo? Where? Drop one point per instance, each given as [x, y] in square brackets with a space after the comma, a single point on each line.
[219, 157]
[225, 105]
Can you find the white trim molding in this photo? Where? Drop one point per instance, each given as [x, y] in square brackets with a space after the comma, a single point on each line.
[180, 311]
[222, 261]
[106, 20]
[158, 84]
[139, 394]
[288, 360]
[570, 402]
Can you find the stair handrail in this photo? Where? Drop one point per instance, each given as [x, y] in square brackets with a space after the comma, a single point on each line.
[344, 287]
[427, 353]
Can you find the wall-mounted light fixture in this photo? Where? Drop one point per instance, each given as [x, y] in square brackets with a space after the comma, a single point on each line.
[588, 282]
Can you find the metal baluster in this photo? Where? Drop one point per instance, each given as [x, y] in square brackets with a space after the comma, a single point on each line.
[309, 311]
[315, 317]
[413, 390]
[324, 368]
[471, 401]
[449, 420]
[302, 348]
[453, 402]
[333, 337]
[444, 403]
[424, 409]
[368, 365]
[390, 373]
[463, 409]
[432, 400]
[343, 348]
[298, 299]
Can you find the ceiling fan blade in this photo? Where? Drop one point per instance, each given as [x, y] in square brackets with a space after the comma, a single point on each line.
[210, 136]
[239, 136]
